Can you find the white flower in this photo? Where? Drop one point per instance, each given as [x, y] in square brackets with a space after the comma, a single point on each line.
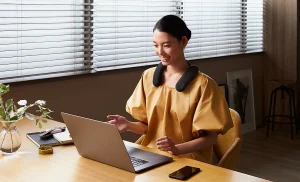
[21, 109]
[29, 116]
[22, 102]
[11, 114]
[40, 102]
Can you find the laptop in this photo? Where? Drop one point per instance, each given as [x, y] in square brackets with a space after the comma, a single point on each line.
[102, 142]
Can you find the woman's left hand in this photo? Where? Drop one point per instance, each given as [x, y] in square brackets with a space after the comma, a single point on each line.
[166, 144]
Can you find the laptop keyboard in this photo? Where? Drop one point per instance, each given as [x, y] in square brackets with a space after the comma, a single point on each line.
[137, 162]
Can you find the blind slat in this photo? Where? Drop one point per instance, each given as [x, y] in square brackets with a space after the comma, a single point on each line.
[38, 34]
[44, 45]
[37, 58]
[24, 66]
[36, 52]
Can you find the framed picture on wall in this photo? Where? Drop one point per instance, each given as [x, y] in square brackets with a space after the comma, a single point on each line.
[241, 97]
[223, 88]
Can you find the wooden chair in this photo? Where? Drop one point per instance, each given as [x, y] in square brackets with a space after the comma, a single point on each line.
[228, 146]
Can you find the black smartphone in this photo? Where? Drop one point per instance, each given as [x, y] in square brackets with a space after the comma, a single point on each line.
[185, 172]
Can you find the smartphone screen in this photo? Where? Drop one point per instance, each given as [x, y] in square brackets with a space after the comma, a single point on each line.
[184, 173]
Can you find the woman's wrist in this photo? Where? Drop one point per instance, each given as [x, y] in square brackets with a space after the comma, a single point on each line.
[130, 126]
[178, 149]
[190, 146]
[137, 127]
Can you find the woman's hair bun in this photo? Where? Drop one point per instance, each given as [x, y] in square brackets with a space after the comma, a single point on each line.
[174, 26]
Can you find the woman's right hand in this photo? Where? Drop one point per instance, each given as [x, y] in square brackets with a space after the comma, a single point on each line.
[121, 122]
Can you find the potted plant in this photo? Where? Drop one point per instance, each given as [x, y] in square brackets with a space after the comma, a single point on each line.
[10, 114]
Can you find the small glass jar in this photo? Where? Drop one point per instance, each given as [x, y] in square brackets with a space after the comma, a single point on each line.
[10, 139]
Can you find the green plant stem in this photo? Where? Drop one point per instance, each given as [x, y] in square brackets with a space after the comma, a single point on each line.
[3, 140]
[12, 142]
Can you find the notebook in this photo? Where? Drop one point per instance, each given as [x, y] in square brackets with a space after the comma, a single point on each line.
[102, 142]
[63, 137]
[36, 139]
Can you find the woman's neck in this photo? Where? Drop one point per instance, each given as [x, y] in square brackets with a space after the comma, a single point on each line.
[174, 72]
[178, 68]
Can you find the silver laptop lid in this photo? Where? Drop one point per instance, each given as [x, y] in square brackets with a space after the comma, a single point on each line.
[108, 149]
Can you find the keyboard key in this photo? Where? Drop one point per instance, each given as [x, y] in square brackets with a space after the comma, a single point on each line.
[137, 162]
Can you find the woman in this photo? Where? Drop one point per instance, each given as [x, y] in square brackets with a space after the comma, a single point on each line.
[180, 110]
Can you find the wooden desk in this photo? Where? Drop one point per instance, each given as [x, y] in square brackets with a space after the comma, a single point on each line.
[66, 165]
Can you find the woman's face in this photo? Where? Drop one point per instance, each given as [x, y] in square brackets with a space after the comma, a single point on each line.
[168, 48]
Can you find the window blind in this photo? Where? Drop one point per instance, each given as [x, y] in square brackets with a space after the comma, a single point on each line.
[223, 27]
[53, 38]
[253, 25]
[122, 31]
[42, 39]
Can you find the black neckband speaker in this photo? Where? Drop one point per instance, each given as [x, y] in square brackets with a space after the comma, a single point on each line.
[182, 83]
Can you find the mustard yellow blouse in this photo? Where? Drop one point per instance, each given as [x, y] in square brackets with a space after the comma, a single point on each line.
[180, 115]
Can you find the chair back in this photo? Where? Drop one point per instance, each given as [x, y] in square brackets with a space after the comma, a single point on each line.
[228, 146]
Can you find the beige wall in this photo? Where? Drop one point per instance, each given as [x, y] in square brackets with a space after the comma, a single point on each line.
[97, 95]
[280, 39]
[280, 44]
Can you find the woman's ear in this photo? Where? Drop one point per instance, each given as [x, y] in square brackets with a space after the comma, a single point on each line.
[184, 41]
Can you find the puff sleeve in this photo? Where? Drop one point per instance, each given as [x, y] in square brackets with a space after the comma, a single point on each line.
[212, 112]
[136, 104]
